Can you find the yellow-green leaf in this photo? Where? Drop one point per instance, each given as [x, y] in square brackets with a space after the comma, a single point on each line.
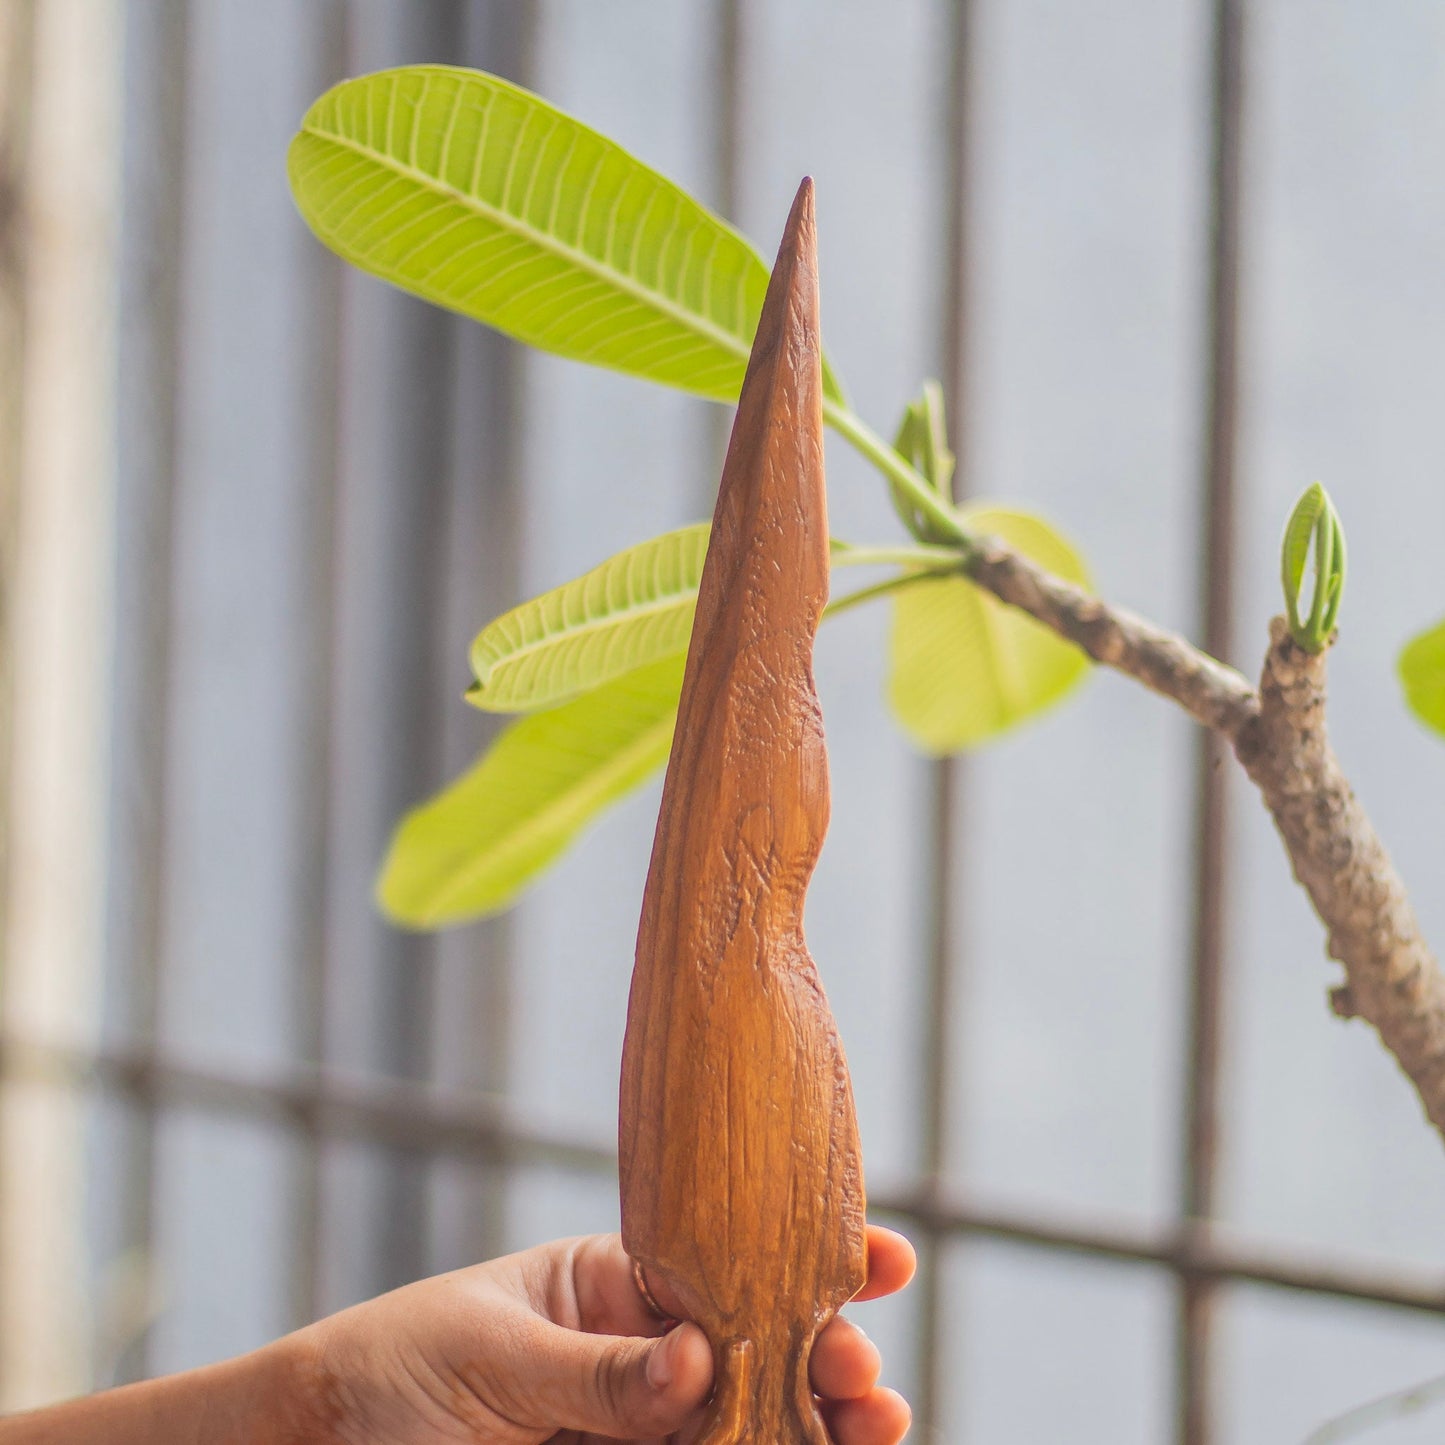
[963, 667]
[479, 196]
[1299, 531]
[1422, 674]
[1313, 525]
[471, 850]
[632, 609]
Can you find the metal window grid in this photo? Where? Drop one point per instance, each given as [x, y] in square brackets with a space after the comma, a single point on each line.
[317, 1103]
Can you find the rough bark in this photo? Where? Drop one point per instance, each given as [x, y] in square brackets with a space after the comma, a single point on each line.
[1392, 980]
[1211, 693]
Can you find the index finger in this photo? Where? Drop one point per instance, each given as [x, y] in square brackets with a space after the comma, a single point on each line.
[891, 1263]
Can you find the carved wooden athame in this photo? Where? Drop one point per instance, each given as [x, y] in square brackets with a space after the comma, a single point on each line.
[742, 1184]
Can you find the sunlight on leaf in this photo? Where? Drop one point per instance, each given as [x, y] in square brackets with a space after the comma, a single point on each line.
[963, 667]
[1421, 667]
[479, 196]
[471, 849]
[632, 609]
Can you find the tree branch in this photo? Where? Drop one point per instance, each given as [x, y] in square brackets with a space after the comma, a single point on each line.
[1392, 980]
[1211, 693]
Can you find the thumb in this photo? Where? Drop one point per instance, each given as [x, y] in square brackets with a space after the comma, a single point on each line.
[623, 1387]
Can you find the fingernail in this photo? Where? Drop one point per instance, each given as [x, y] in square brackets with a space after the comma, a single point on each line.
[659, 1363]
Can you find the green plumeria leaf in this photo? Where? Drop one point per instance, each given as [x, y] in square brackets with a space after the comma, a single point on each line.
[963, 667]
[479, 196]
[471, 850]
[631, 610]
[1421, 667]
[1313, 527]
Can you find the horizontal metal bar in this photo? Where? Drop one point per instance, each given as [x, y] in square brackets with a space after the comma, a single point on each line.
[428, 1120]
[393, 1112]
[1191, 1252]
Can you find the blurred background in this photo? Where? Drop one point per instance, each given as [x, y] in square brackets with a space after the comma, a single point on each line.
[1173, 260]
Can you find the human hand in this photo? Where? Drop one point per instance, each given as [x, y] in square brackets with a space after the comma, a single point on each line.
[555, 1344]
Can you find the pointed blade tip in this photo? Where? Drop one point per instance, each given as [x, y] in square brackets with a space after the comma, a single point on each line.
[800, 235]
[803, 201]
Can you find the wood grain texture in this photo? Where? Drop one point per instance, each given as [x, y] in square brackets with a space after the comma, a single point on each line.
[742, 1181]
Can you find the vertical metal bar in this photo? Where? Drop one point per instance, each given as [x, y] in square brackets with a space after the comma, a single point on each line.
[727, 104]
[942, 983]
[1195, 1385]
[323, 340]
[728, 21]
[944, 942]
[153, 171]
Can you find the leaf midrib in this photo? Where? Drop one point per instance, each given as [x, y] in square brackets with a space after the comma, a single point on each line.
[689, 320]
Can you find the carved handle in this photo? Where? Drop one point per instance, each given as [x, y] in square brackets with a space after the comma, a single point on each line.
[762, 1394]
[742, 1182]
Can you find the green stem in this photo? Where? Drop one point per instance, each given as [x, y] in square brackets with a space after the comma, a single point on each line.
[859, 435]
[851, 554]
[889, 584]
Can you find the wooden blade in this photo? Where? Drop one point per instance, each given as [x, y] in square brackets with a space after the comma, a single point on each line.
[742, 1183]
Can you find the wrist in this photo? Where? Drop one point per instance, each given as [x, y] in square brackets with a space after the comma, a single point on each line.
[291, 1393]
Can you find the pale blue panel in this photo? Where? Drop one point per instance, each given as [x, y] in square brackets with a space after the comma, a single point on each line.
[1289, 1363]
[112, 1268]
[360, 1225]
[467, 1217]
[235, 752]
[546, 1204]
[853, 95]
[352, 1203]
[1051, 1348]
[151, 188]
[1346, 353]
[222, 1250]
[1085, 405]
